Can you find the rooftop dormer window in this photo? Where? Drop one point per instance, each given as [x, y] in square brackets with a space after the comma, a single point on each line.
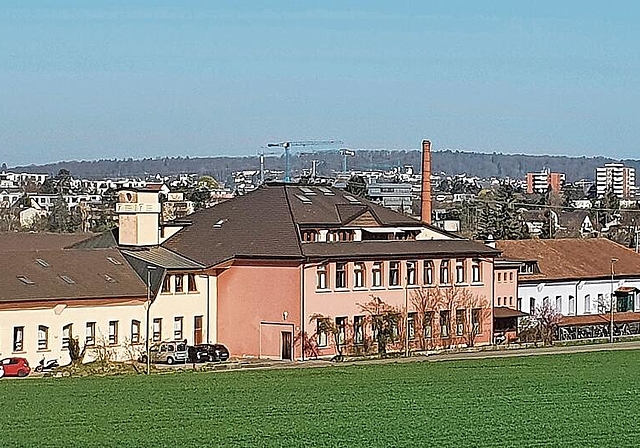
[309, 236]
[529, 267]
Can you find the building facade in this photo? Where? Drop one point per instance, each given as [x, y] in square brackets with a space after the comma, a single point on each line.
[618, 178]
[545, 181]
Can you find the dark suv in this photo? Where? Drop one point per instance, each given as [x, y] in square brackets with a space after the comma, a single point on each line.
[208, 352]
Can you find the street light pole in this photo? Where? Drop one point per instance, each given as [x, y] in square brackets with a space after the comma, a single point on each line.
[611, 305]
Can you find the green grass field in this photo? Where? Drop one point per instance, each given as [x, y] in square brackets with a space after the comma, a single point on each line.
[562, 400]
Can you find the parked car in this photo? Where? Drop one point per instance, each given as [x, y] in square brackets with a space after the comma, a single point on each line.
[169, 352]
[208, 352]
[15, 367]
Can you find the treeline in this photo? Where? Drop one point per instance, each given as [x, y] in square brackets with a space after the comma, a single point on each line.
[450, 162]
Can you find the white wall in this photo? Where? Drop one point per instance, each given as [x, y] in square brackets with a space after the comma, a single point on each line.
[577, 289]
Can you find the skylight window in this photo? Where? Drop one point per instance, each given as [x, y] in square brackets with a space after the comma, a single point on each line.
[326, 191]
[26, 280]
[114, 261]
[110, 279]
[351, 199]
[42, 262]
[304, 199]
[219, 223]
[308, 191]
[68, 279]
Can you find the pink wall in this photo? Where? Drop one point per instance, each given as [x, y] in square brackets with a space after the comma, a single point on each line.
[338, 303]
[255, 292]
[506, 287]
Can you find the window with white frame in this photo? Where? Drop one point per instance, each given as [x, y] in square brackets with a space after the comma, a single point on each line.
[66, 335]
[90, 334]
[394, 273]
[192, 286]
[177, 328]
[18, 339]
[179, 285]
[572, 305]
[166, 284]
[559, 304]
[427, 274]
[113, 332]
[444, 272]
[376, 274]
[321, 277]
[135, 331]
[321, 332]
[460, 321]
[475, 271]
[601, 304]
[532, 306]
[157, 329]
[359, 275]
[411, 272]
[460, 271]
[476, 321]
[358, 329]
[411, 325]
[341, 327]
[587, 304]
[341, 275]
[445, 323]
[428, 325]
[43, 337]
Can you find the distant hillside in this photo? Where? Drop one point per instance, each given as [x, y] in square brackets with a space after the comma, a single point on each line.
[450, 162]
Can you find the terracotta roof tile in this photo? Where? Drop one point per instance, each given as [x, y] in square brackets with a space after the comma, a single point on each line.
[572, 259]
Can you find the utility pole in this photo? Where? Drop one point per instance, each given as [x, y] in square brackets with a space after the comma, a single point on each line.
[613, 260]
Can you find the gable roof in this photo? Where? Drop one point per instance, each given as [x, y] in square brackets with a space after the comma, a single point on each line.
[21, 241]
[100, 273]
[572, 258]
[265, 222]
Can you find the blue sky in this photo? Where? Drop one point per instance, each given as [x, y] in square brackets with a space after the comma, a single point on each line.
[112, 79]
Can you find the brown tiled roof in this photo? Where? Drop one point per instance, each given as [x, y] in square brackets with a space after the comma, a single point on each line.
[402, 249]
[21, 241]
[92, 275]
[259, 223]
[264, 224]
[595, 319]
[336, 209]
[572, 259]
[504, 312]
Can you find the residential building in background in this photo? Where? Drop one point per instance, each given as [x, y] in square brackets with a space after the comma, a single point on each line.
[545, 181]
[617, 177]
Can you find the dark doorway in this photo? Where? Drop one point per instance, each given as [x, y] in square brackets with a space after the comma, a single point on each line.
[286, 345]
[197, 330]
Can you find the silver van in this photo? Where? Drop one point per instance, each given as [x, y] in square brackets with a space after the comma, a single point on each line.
[170, 352]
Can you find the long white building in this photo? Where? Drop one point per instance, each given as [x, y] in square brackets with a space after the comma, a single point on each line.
[621, 179]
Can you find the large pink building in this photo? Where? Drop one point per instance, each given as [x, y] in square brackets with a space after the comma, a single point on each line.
[280, 261]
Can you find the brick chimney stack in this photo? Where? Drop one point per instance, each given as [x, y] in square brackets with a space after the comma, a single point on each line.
[425, 198]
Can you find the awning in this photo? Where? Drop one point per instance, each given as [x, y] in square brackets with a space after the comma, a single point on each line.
[626, 289]
[503, 312]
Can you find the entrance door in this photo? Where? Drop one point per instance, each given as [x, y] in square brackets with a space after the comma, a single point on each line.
[197, 330]
[286, 345]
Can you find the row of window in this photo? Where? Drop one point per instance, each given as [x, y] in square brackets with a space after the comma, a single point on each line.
[502, 301]
[178, 283]
[623, 303]
[377, 277]
[113, 337]
[444, 326]
[504, 277]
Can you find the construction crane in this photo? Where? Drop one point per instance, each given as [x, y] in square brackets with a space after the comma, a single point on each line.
[287, 151]
[346, 153]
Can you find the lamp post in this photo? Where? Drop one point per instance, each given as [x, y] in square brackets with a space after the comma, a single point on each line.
[149, 269]
[613, 260]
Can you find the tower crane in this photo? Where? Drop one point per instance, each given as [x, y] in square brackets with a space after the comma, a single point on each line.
[345, 152]
[287, 151]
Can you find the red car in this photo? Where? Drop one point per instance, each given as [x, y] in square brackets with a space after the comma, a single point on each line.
[14, 367]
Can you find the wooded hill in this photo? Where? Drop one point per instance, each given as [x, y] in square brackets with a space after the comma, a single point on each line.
[449, 162]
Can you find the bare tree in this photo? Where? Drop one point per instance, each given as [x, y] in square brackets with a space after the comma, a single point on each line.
[384, 320]
[469, 309]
